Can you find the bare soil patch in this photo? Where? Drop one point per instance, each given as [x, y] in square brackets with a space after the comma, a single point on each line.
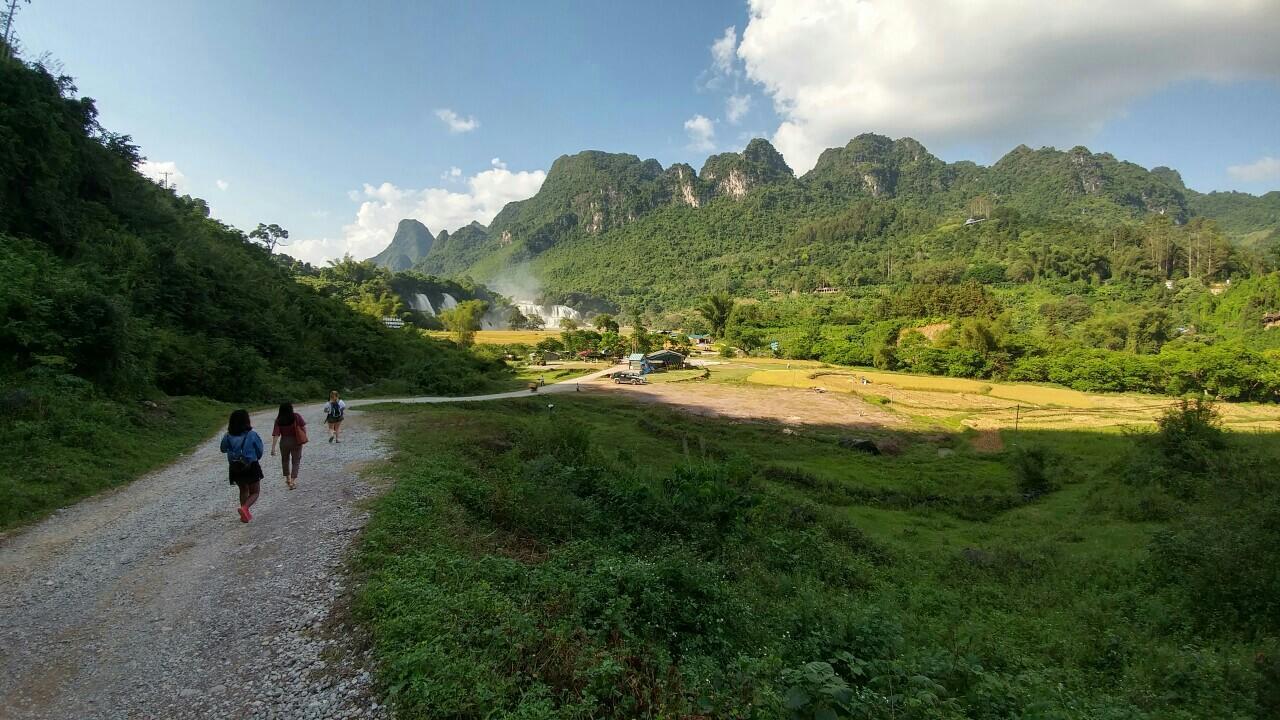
[781, 405]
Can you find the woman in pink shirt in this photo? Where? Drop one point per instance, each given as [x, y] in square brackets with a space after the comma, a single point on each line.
[291, 434]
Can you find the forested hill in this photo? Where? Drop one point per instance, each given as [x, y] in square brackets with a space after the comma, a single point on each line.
[616, 226]
[113, 286]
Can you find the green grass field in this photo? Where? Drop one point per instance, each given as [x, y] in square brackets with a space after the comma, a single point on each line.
[64, 450]
[608, 559]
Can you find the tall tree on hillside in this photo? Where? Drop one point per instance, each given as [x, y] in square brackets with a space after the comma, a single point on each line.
[605, 322]
[464, 320]
[270, 236]
[716, 308]
[7, 12]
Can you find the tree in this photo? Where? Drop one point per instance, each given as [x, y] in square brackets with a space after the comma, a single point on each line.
[6, 17]
[605, 322]
[270, 236]
[641, 340]
[464, 320]
[568, 323]
[516, 320]
[748, 340]
[716, 308]
[612, 344]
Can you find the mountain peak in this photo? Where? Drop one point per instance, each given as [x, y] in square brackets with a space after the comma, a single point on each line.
[881, 167]
[736, 174]
[410, 244]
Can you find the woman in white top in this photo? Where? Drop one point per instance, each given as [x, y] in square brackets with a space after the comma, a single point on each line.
[333, 411]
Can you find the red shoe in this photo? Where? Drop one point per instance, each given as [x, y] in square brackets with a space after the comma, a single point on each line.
[244, 514]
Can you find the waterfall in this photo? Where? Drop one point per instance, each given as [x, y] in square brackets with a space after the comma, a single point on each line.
[447, 302]
[422, 303]
[551, 315]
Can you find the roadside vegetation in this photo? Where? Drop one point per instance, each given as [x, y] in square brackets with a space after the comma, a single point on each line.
[75, 443]
[116, 291]
[603, 559]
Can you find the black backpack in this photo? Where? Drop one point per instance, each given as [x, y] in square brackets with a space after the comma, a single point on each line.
[239, 461]
[334, 411]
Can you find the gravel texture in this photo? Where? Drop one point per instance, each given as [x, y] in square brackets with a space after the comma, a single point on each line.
[155, 601]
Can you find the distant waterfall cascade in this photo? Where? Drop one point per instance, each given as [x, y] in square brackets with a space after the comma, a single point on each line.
[551, 315]
[447, 302]
[422, 303]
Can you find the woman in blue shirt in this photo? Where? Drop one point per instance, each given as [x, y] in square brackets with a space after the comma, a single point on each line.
[243, 447]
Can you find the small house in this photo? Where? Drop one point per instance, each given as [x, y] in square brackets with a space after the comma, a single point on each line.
[636, 362]
[700, 341]
[665, 360]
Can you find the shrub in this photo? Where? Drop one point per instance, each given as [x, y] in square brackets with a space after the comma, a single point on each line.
[1031, 466]
[1190, 436]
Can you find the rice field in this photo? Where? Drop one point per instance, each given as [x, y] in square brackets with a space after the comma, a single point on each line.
[951, 403]
[504, 337]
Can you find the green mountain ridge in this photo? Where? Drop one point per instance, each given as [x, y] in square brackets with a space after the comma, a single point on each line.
[408, 247]
[727, 222]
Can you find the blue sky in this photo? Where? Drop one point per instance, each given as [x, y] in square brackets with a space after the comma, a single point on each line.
[326, 117]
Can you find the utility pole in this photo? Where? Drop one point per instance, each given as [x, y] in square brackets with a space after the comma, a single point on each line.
[165, 182]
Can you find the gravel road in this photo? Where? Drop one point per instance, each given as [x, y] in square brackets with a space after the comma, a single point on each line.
[155, 601]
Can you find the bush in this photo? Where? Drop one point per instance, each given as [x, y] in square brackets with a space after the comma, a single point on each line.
[1031, 466]
[1190, 436]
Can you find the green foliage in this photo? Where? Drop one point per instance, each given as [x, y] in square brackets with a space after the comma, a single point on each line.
[113, 290]
[716, 308]
[522, 567]
[106, 276]
[464, 320]
[69, 441]
[1032, 465]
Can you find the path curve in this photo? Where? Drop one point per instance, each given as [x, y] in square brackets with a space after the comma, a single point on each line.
[153, 601]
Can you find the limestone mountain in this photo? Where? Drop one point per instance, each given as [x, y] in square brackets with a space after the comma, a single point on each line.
[611, 225]
[408, 247]
[736, 174]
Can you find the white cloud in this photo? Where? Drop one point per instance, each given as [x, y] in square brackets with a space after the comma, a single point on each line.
[452, 174]
[156, 171]
[997, 71]
[222, 184]
[701, 132]
[382, 207]
[1264, 168]
[736, 107]
[455, 122]
[722, 51]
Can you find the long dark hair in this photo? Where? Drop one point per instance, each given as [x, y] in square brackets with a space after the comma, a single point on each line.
[239, 424]
[285, 418]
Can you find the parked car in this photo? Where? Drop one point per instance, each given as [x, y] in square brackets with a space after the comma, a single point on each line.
[629, 378]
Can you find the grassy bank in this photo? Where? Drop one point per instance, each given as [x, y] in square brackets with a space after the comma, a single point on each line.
[610, 560]
[66, 446]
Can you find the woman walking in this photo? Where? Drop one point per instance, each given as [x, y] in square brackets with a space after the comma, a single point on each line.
[290, 432]
[333, 411]
[243, 447]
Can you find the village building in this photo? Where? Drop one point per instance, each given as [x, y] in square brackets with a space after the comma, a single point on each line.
[665, 360]
[655, 361]
[700, 341]
[636, 362]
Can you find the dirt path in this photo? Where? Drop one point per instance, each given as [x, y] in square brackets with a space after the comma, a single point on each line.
[154, 601]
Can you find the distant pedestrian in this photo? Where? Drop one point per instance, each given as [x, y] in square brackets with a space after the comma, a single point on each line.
[243, 447]
[290, 432]
[333, 412]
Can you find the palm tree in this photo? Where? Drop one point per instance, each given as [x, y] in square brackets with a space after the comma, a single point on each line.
[716, 308]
